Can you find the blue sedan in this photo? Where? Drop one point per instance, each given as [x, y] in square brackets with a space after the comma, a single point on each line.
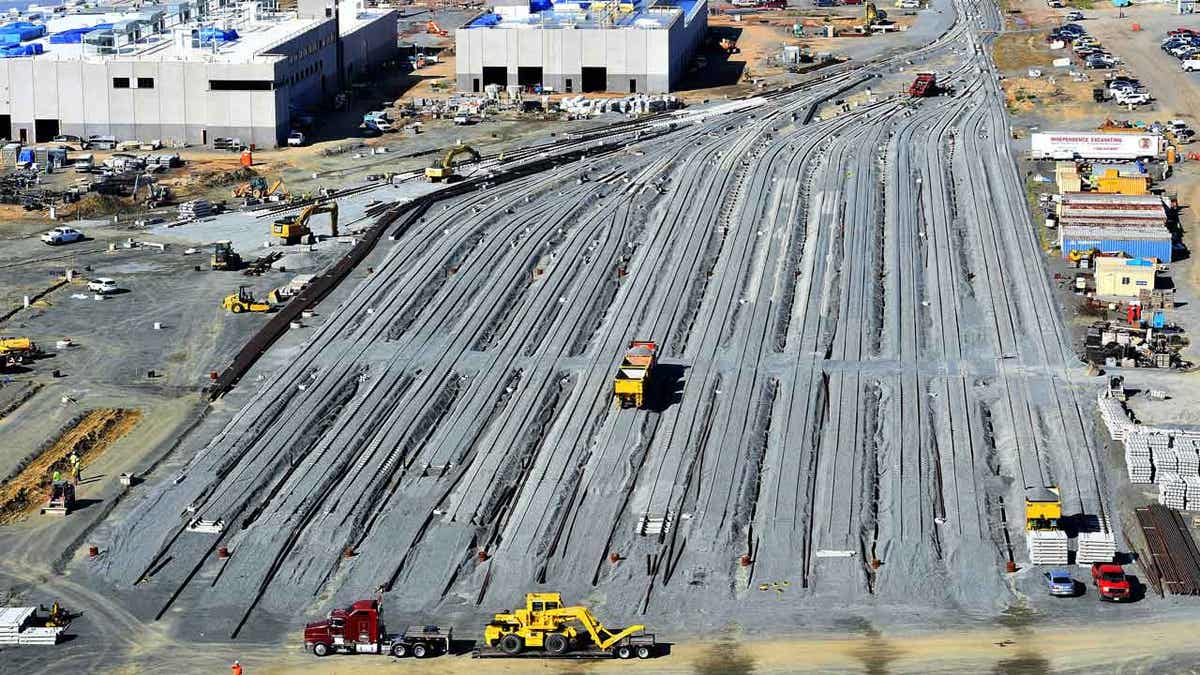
[1060, 583]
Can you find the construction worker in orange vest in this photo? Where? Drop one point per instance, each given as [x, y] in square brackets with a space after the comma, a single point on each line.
[236, 668]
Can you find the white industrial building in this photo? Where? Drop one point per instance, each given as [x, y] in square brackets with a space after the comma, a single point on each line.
[641, 47]
[187, 72]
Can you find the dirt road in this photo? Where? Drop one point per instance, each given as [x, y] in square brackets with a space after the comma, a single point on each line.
[1157, 647]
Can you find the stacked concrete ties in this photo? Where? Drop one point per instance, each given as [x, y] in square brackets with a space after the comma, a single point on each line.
[1166, 456]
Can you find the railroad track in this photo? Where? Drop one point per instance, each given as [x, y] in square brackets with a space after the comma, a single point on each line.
[851, 373]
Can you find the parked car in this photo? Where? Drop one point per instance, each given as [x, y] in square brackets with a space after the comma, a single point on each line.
[1190, 65]
[295, 139]
[75, 142]
[1074, 16]
[1133, 98]
[103, 286]
[1059, 583]
[62, 235]
[1111, 581]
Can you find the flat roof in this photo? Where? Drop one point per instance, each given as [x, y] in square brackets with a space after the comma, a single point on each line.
[254, 42]
[642, 14]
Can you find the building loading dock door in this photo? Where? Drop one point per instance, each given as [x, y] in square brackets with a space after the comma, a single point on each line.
[495, 75]
[44, 131]
[594, 79]
[529, 76]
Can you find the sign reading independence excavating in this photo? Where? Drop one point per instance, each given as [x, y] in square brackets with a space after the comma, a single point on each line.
[1087, 145]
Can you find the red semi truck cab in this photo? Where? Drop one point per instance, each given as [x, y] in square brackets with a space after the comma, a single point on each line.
[1111, 582]
[359, 629]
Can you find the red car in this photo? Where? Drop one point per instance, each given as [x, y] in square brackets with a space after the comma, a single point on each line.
[1183, 32]
[1110, 581]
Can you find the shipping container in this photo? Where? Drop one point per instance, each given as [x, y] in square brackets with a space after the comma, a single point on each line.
[1151, 248]
[1125, 185]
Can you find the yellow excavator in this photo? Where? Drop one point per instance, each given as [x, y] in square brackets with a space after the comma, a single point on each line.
[444, 170]
[243, 301]
[294, 229]
[548, 628]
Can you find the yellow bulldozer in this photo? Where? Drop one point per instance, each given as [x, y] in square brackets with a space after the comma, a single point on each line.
[546, 627]
[444, 170]
[294, 229]
[243, 301]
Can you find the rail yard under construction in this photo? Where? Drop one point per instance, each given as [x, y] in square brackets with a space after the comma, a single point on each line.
[777, 362]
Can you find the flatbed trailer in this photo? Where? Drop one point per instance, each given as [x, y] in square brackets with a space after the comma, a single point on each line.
[643, 646]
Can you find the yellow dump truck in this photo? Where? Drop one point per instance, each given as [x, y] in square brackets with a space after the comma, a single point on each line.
[1043, 508]
[634, 376]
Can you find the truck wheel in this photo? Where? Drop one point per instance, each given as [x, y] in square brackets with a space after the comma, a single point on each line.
[556, 643]
[399, 650]
[237, 309]
[643, 652]
[420, 651]
[321, 649]
[624, 652]
[511, 644]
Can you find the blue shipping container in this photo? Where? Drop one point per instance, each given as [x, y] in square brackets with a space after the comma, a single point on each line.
[1159, 249]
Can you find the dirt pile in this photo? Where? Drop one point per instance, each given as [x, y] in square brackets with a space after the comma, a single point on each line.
[88, 437]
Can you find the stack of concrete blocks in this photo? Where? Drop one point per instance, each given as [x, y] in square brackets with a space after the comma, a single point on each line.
[16, 628]
[1116, 419]
[1096, 542]
[1137, 458]
[1047, 547]
[1172, 491]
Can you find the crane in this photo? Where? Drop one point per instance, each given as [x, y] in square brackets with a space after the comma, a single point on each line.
[444, 170]
[294, 229]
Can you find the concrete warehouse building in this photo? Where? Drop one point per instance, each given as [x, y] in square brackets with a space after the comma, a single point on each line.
[641, 47]
[187, 72]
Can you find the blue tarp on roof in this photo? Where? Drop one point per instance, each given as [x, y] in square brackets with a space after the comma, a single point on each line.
[209, 35]
[486, 20]
[15, 51]
[21, 31]
[75, 35]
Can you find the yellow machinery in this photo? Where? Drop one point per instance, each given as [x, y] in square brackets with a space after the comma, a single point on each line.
[17, 350]
[444, 170]
[257, 188]
[545, 625]
[872, 17]
[633, 378]
[1043, 508]
[243, 301]
[1076, 254]
[224, 257]
[294, 229]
